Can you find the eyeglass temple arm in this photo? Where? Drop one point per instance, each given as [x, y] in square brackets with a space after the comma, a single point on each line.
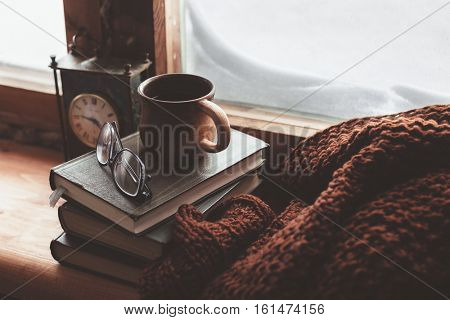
[131, 171]
[115, 142]
[116, 128]
[134, 175]
[146, 190]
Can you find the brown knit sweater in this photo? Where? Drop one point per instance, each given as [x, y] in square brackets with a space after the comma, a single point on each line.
[376, 222]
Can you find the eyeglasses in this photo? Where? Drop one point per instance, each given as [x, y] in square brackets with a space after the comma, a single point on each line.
[127, 169]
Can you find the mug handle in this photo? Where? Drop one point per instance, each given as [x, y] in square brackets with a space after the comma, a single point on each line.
[222, 126]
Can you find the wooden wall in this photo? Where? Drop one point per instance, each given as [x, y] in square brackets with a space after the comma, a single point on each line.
[121, 29]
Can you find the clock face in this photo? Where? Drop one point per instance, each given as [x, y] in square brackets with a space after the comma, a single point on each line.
[87, 114]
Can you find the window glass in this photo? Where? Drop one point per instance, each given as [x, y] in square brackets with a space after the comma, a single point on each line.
[335, 58]
[31, 32]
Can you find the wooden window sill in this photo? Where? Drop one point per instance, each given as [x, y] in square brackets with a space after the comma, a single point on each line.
[270, 120]
[28, 225]
[37, 110]
[37, 80]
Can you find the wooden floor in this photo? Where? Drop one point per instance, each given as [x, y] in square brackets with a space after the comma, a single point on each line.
[28, 224]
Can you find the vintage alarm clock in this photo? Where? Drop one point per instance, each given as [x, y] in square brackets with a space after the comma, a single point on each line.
[94, 91]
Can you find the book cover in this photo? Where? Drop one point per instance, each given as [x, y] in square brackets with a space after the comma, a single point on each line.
[84, 223]
[90, 184]
[72, 251]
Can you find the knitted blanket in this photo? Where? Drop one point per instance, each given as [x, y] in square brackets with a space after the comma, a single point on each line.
[374, 222]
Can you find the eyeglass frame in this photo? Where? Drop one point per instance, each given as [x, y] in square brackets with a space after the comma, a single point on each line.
[143, 190]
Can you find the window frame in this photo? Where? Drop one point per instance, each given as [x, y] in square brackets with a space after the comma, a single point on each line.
[31, 102]
[248, 116]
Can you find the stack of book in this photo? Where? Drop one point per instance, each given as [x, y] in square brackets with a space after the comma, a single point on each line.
[115, 235]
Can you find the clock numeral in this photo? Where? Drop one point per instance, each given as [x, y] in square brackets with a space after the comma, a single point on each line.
[103, 105]
[84, 101]
[85, 135]
[78, 107]
[110, 115]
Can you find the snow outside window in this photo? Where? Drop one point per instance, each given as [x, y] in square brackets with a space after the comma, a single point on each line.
[30, 31]
[278, 53]
[24, 44]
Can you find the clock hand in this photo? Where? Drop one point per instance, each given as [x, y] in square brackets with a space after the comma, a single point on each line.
[93, 120]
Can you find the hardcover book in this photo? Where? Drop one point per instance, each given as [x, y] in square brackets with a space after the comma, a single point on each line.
[70, 250]
[86, 224]
[91, 185]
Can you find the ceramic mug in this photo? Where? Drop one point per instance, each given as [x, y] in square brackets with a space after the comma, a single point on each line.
[177, 109]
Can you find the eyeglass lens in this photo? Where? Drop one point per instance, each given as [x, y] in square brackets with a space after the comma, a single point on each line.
[108, 144]
[127, 172]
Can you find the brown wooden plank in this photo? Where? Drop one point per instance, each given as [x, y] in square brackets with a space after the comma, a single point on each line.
[28, 108]
[173, 46]
[39, 278]
[83, 14]
[159, 27]
[28, 225]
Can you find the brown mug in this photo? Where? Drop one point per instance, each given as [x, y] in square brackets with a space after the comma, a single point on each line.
[181, 103]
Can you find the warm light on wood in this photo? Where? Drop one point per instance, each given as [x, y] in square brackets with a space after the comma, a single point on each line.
[28, 225]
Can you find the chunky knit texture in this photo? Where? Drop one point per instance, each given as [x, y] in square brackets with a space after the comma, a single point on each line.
[375, 222]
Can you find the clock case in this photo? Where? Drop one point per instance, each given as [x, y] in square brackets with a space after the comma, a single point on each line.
[114, 79]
